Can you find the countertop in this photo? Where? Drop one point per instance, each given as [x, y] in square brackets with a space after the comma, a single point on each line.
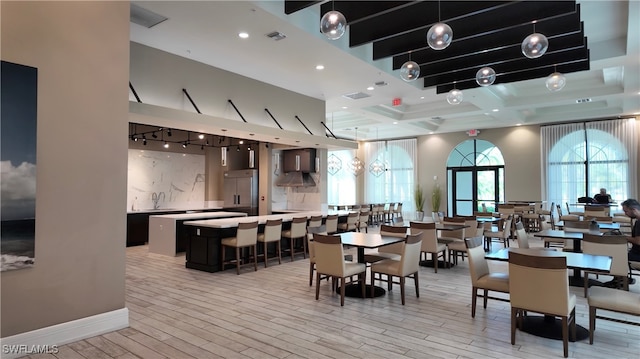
[233, 222]
[187, 216]
[160, 210]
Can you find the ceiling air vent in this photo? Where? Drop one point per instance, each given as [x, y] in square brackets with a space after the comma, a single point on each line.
[381, 83]
[583, 100]
[144, 17]
[277, 36]
[356, 95]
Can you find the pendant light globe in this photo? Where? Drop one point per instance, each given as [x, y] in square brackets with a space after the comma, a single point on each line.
[410, 71]
[534, 45]
[555, 82]
[333, 25]
[454, 97]
[439, 36]
[486, 76]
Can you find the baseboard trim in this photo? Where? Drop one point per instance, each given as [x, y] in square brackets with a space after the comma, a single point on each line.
[47, 339]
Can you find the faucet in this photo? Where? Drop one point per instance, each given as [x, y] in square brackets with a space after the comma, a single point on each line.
[156, 197]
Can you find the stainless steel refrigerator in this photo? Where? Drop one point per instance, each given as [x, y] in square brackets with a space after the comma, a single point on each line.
[241, 191]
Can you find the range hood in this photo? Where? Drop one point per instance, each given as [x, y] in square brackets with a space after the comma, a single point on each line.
[295, 179]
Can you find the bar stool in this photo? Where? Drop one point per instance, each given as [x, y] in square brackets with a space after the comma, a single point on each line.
[246, 236]
[298, 231]
[272, 231]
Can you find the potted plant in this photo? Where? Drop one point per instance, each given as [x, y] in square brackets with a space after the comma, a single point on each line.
[435, 202]
[418, 198]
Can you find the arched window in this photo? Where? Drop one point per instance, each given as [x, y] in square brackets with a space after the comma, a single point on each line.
[475, 176]
[581, 158]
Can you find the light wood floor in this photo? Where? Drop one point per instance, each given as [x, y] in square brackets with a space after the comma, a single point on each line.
[272, 313]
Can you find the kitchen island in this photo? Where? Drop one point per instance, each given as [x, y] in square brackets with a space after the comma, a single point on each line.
[167, 235]
[203, 239]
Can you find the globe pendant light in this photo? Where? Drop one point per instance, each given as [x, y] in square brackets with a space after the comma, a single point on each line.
[410, 70]
[555, 81]
[333, 24]
[454, 97]
[534, 45]
[486, 76]
[439, 35]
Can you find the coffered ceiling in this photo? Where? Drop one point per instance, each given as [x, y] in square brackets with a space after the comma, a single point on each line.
[596, 44]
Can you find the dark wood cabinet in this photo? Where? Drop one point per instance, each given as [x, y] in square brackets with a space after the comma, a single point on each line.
[302, 160]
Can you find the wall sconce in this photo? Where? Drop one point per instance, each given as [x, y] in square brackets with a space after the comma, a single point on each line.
[223, 156]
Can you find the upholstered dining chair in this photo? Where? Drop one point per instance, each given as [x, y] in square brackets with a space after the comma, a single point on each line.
[612, 300]
[481, 276]
[311, 231]
[351, 224]
[271, 234]
[540, 284]
[501, 235]
[458, 248]
[246, 237]
[314, 221]
[522, 236]
[331, 224]
[329, 259]
[430, 243]
[407, 266]
[298, 230]
[594, 211]
[450, 236]
[363, 221]
[574, 212]
[613, 246]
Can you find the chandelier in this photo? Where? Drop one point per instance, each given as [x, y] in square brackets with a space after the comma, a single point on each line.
[334, 164]
[356, 165]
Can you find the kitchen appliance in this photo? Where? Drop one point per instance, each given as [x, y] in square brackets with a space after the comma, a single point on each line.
[297, 166]
[241, 191]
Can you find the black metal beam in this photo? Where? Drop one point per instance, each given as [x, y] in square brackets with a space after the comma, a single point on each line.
[325, 126]
[190, 100]
[305, 126]
[235, 108]
[273, 118]
[291, 6]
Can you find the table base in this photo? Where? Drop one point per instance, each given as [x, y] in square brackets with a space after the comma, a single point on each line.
[355, 291]
[550, 328]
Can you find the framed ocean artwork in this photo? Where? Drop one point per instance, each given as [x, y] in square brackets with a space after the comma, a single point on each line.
[18, 121]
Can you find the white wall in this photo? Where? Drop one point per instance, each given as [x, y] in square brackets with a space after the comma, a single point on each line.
[81, 51]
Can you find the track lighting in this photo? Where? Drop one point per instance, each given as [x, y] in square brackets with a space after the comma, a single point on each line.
[202, 147]
[169, 132]
[238, 149]
[166, 145]
[144, 141]
[201, 136]
[184, 145]
[154, 135]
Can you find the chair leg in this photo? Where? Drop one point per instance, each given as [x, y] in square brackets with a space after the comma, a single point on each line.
[565, 337]
[223, 248]
[415, 279]
[514, 313]
[435, 261]
[586, 283]
[311, 265]
[474, 297]
[265, 254]
[317, 285]
[592, 322]
[279, 252]
[255, 257]
[238, 260]
[486, 297]
[291, 241]
[363, 282]
[304, 248]
[342, 291]
[402, 280]
[373, 280]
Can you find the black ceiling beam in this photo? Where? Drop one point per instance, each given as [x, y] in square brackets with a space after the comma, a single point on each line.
[292, 6]
[505, 56]
[419, 15]
[355, 11]
[505, 17]
[525, 74]
[490, 43]
[508, 67]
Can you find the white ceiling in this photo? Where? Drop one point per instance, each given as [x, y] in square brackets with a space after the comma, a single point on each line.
[207, 31]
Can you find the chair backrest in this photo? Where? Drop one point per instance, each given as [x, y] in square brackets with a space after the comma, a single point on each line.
[247, 233]
[352, 218]
[272, 230]
[364, 218]
[398, 209]
[429, 235]
[594, 211]
[559, 209]
[398, 221]
[506, 229]
[478, 266]
[522, 236]
[577, 226]
[614, 246]
[521, 208]
[539, 283]
[472, 224]
[311, 231]
[410, 261]
[458, 233]
[329, 255]
[393, 231]
[298, 227]
[331, 223]
[315, 221]
[506, 208]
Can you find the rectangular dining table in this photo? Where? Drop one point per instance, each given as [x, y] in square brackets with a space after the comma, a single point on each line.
[576, 237]
[364, 241]
[549, 326]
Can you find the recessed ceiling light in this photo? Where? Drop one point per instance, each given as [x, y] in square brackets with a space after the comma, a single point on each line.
[431, 133]
[495, 110]
[370, 88]
[395, 122]
[319, 67]
[344, 107]
[422, 97]
[518, 124]
[243, 35]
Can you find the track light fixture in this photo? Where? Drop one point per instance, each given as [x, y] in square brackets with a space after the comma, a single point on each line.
[184, 144]
[166, 144]
[154, 135]
[201, 136]
[169, 132]
[144, 141]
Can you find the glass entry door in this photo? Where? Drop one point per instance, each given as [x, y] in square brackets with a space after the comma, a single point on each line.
[471, 187]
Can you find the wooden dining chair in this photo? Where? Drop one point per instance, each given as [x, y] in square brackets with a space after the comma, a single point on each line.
[614, 247]
[391, 251]
[407, 266]
[430, 243]
[482, 277]
[540, 284]
[329, 259]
